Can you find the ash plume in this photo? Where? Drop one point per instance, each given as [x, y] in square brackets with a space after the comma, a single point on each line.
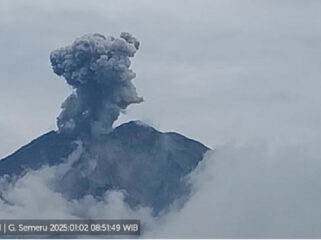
[98, 69]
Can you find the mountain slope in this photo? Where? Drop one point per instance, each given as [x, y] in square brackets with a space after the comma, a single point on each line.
[50, 148]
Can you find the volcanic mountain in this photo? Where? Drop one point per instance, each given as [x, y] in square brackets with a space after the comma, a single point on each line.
[148, 165]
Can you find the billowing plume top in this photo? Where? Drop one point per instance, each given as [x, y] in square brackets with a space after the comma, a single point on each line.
[98, 68]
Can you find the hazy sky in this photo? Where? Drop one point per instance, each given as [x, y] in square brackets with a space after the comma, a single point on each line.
[240, 76]
[217, 71]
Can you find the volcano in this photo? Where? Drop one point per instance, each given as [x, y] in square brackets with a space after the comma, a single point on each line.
[147, 165]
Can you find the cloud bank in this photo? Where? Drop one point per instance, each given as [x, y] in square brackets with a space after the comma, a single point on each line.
[250, 191]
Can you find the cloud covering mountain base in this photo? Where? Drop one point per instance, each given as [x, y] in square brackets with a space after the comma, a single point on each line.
[253, 190]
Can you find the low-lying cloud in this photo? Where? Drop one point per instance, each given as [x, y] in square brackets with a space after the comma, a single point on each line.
[253, 190]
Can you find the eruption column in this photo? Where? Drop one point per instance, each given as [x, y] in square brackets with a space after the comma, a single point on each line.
[98, 69]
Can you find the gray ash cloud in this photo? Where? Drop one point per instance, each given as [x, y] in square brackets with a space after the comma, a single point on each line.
[98, 69]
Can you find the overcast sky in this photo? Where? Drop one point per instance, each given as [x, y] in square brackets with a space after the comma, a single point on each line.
[216, 71]
[241, 76]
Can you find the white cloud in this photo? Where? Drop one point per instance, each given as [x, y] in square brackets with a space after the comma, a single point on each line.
[252, 191]
[249, 191]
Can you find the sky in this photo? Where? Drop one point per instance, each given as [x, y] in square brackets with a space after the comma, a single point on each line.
[216, 71]
[242, 77]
